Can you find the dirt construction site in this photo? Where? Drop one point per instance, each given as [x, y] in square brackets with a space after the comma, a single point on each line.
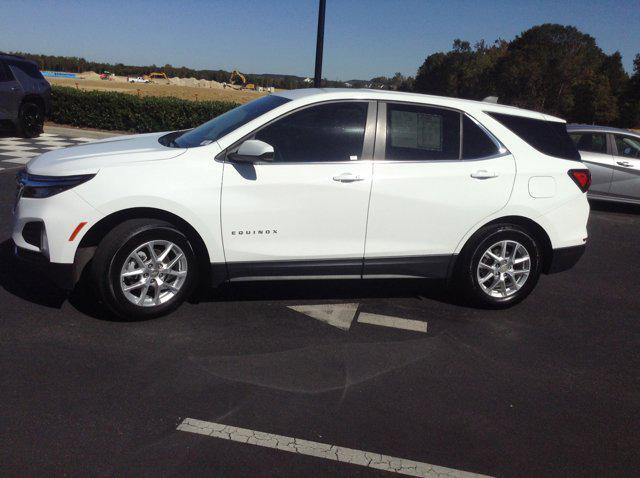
[184, 88]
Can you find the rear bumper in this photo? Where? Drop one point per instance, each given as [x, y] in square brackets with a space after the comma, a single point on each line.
[62, 275]
[565, 258]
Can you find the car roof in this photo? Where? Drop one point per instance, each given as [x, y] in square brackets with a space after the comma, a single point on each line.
[362, 93]
[16, 58]
[600, 129]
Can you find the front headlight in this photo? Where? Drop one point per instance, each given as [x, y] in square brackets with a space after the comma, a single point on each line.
[33, 186]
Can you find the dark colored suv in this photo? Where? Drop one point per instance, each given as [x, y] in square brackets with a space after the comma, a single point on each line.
[25, 96]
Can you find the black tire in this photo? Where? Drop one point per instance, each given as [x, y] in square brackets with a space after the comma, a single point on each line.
[112, 255]
[466, 276]
[30, 120]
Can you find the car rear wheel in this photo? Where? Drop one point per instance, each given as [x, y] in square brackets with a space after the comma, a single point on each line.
[144, 269]
[500, 266]
[30, 120]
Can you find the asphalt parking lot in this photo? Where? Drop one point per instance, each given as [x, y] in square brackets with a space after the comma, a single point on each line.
[547, 388]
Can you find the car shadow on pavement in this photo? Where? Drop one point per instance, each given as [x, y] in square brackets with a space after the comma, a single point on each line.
[27, 282]
[343, 289]
[6, 132]
[24, 280]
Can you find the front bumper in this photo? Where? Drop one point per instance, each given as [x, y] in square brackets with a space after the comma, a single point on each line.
[565, 258]
[59, 216]
[62, 275]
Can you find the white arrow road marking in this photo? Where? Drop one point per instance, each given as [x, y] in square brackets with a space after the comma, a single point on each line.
[389, 321]
[321, 450]
[338, 315]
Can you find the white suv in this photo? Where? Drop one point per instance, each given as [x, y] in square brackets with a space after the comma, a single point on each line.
[321, 184]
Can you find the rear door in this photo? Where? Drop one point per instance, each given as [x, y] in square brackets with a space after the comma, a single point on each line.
[594, 153]
[303, 214]
[626, 175]
[10, 93]
[437, 173]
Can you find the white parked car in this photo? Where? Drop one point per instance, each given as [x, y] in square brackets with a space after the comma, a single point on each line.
[313, 184]
[138, 79]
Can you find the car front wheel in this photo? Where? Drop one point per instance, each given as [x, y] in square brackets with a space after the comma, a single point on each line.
[144, 269]
[30, 120]
[501, 267]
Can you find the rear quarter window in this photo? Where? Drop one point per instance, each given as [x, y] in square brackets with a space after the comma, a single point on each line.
[29, 68]
[548, 137]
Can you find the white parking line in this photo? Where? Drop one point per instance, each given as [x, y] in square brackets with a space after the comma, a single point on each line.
[321, 450]
[395, 322]
[338, 315]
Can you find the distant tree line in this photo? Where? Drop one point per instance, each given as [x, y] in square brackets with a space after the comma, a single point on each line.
[550, 68]
[74, 64]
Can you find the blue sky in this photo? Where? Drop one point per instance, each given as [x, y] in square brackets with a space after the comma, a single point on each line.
[364, 38]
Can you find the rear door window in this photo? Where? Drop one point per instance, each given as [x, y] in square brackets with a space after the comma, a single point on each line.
[590, 142]
[4, 76]
[422, 133]
[548, 137]
[29, 68]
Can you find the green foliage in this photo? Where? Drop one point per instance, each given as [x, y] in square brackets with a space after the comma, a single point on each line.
[464, 72]
[559, 70]
[125, 112]
[551, 68]
[630, 107]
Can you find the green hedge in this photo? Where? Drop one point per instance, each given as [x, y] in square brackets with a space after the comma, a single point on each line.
[125, 112]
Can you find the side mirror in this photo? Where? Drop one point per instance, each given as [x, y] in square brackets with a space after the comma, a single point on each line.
[251, 151]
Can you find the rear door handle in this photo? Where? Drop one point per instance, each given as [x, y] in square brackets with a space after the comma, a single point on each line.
[347, 178]
[483, 174]
[626, 164]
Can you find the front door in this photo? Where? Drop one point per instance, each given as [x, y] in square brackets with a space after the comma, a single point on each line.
[305, 212]
[428, 189]
[626, 175]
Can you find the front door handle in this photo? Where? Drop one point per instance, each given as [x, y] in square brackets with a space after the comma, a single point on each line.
[483, 174]
[347, 178]
[626, 164]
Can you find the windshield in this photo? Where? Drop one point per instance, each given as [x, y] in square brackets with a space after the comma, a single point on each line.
[221, 125]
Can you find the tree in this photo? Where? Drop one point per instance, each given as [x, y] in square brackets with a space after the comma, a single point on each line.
[559, 70]
[551, 68]
[463, 72]
[630, 104]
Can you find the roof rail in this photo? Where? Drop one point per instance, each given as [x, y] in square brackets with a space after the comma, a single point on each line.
[12, 55]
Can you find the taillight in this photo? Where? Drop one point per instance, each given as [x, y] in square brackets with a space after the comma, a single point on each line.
[582, 178]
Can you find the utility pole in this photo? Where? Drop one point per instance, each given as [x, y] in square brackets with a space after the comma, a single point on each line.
[319, 44]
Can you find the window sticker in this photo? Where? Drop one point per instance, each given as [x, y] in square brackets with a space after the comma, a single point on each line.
[416, 130]
[430, 132]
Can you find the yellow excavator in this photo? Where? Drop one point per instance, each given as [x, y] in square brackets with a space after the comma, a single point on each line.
[238, 81]
[156, 75]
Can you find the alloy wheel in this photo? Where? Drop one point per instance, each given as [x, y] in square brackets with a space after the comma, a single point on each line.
[153, 273]
[503, 269]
